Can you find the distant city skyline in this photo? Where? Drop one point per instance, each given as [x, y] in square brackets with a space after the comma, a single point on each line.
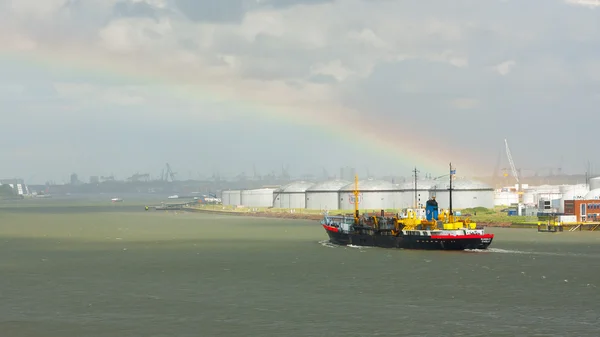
[363, 173]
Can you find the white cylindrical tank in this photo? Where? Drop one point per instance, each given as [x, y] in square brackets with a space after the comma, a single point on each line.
[277, 198]
[231, 198]
[408, 196]
[505, 198]
[374, 195]
[573, 191]
[225, 198]
[325, 195]
[593, 194]
[594, 183]
[547, 192]
[262, 197]
[465, 194]
[547, 189]
[529, 197]
[292, 195]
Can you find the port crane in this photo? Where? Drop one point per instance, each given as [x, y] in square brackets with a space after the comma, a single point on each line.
[516, 175]
[167, 173]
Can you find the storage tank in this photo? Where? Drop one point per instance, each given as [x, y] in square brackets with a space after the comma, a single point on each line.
[594, 183]
[571, 192]
[225, 198]
[231, 198]
[325, 195]
[593, 194]
[374, 195]
[261, 197]
[529, 197]
[507, 197]
[465, 194]
[292, 195]
[407, 191]
[548, 192]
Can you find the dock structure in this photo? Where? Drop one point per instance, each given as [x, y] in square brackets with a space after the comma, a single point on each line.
[583, 226]
[553, 227]
[549, 227]
[166, 207]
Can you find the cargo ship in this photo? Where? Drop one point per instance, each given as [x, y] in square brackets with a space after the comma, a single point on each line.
[414, 228]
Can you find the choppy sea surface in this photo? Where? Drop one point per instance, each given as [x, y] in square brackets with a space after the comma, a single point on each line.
[128, 272]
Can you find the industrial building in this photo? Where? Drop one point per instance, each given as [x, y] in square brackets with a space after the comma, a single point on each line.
[18, 185]
[325, 195]
[547, 192]
[571, 192]
[581, 201]
[379, 194]
[465, 194]
[292, 195]
[583, 210]
[374, 194]
[507, 196]
[548, 199]
[532, 195]
[261, 197]
[231, 198]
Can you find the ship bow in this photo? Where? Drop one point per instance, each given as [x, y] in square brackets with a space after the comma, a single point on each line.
[336, 236]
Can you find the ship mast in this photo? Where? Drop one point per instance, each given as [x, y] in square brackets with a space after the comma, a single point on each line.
[416, 195]
[356, 199]
[450, 190]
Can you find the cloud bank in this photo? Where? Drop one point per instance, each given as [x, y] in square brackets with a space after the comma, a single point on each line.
[124, 86]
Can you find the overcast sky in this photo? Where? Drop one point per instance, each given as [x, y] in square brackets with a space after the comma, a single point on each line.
[103, 86]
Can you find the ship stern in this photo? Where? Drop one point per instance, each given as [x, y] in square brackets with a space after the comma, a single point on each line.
[485, 242]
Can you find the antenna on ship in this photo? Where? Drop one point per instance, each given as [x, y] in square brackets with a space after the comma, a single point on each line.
[356, 199]
[416, 195]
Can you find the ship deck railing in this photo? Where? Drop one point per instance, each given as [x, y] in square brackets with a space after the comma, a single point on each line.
[339, 219]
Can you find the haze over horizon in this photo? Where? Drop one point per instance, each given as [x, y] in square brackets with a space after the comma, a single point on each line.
[104, 87]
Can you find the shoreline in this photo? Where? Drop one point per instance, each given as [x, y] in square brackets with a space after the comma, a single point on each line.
[278, 215]
[305, 216]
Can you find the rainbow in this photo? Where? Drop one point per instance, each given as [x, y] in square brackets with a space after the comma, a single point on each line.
[408, 146]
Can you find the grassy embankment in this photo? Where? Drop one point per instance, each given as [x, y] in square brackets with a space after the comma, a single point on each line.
[479, 214]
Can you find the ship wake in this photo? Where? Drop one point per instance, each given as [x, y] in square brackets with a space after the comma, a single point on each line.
[509, 251]
[327, 243]
[359, 247]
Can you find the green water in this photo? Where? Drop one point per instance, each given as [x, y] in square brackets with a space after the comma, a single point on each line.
[103, 272]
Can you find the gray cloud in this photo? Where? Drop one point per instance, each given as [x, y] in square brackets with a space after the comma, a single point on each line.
[212, 11]
[152, 74]
[135, 9]
[290, 3]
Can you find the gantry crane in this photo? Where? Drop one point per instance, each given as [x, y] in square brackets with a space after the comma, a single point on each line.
[516, 175]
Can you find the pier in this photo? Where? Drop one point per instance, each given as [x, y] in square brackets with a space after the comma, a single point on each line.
[569, 227]
[166, 207]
